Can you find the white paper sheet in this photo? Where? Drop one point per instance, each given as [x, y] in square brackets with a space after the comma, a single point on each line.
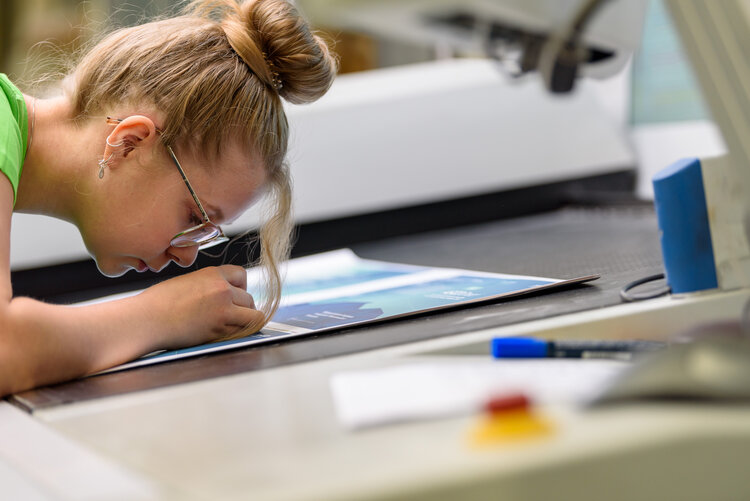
[433, 390]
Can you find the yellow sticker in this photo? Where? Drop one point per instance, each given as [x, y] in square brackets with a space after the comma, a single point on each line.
[511, 426]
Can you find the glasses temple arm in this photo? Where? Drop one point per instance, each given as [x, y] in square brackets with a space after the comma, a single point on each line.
[187, 183]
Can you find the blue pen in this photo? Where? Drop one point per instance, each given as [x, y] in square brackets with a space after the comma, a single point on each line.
[528, 347]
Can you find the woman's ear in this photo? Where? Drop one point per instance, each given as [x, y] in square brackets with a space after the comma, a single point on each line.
[132, 133]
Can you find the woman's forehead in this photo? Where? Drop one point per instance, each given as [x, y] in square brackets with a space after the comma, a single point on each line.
[231, 150]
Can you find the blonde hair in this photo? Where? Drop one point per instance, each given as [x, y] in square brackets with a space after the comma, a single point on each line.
[218, 70]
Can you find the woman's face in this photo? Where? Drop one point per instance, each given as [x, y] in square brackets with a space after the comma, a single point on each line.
[143, 203]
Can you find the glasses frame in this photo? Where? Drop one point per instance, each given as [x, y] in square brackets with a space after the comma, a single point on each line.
[219, 237]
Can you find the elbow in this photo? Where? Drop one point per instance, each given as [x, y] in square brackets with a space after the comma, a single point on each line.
[13, 378]
[21, 367]
[9, 373]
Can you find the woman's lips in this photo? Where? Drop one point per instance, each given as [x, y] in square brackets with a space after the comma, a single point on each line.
[141, 266]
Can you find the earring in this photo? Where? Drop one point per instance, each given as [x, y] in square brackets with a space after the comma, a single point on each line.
[104, 162]
[113, 145]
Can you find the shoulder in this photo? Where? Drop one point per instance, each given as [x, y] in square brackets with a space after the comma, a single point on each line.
[13, 131]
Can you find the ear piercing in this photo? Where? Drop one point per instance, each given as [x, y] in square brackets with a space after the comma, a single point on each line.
[114, 145]
[104, 162]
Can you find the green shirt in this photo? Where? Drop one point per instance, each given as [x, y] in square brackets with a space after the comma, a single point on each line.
[13, 131]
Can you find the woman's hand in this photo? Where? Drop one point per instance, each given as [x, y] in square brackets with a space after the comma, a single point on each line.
[44, 343]
[206, 305]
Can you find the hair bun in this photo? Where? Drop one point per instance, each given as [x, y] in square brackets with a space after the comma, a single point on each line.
[277, 44]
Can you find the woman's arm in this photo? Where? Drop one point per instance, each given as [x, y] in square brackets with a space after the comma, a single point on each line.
[43, 343]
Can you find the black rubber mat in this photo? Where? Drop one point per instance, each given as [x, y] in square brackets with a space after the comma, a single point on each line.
[619, 243]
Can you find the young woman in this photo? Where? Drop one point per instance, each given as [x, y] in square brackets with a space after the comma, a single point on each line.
[164, 131]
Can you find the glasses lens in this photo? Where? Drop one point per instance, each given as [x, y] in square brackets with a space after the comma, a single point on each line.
[198, 235]
[211, 243]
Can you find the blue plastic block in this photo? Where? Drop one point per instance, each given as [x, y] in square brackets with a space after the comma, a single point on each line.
[685, 234]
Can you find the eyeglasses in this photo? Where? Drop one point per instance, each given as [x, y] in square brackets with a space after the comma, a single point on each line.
[205, 235]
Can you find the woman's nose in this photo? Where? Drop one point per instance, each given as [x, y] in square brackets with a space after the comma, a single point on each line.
[183, 256]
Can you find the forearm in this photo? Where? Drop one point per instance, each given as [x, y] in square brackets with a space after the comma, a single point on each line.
[43, 343]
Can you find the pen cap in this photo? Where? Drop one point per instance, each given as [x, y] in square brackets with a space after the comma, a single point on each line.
[518, 347]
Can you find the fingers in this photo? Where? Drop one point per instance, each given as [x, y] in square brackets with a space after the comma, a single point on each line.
[240, 297]
[243, 312]
[235, 275]
[242, 317]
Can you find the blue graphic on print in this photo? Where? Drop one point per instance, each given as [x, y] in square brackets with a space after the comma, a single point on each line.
[350, 276]
[399, 300]
[203, 347]
[322, 314]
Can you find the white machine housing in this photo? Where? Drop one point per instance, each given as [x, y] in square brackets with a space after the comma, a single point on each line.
[716, 36]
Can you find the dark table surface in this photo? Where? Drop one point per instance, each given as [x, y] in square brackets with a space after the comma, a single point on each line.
[620, 243]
